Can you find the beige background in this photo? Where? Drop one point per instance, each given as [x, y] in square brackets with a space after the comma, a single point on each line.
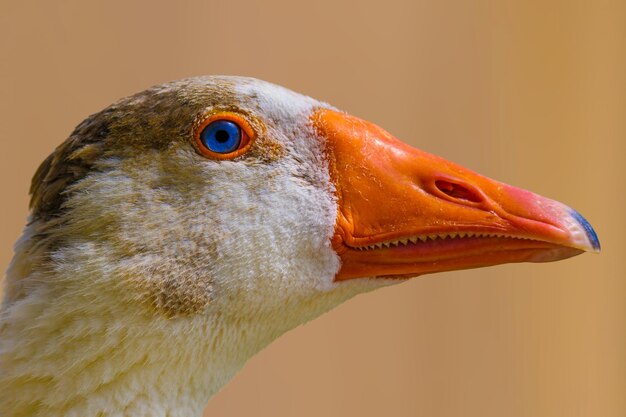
[529, 92]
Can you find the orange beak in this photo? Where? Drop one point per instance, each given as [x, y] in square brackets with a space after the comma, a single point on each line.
[404, 212]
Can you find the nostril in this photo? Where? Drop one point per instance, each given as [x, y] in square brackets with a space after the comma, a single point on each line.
[458, 191]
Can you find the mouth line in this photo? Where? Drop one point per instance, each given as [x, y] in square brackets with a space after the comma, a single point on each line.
[405, 257]
[437, 239]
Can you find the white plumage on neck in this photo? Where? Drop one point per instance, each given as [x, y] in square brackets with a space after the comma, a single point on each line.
[75, 359]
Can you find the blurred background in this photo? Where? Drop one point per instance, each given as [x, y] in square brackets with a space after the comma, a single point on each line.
[532, 93]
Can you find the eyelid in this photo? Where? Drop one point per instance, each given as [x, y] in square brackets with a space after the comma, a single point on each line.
[248, 135]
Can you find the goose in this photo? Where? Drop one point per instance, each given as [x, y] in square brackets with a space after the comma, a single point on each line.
[180, 230]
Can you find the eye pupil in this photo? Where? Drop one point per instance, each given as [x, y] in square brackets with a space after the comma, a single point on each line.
[221, 136]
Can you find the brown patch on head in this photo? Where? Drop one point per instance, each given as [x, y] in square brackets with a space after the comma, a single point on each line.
[71, 161]
[158, 118]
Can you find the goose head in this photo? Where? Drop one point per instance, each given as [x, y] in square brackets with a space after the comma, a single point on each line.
[180, 230]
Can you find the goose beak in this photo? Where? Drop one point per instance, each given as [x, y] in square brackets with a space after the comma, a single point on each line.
[404, 212]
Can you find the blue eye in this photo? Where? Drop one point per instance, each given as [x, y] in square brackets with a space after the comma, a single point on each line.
[221, 136]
